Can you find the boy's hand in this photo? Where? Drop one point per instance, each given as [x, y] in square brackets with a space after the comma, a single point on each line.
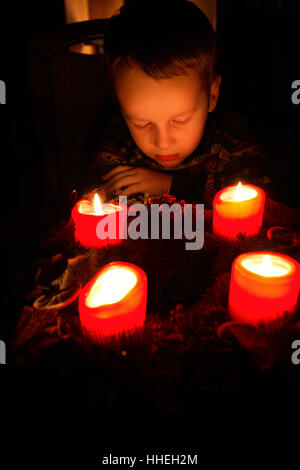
[127, 180]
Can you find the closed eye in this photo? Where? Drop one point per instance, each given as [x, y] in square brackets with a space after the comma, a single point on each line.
[182, 122]
[149, 123]
[142, 127]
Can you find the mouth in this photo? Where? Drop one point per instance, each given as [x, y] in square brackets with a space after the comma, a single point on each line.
[167, 158]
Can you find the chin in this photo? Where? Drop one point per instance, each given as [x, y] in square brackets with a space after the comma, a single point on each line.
[170, 164]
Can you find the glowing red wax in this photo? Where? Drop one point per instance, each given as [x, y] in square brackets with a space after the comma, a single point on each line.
[86, 220]
[114, 300]
[238, 209]
[263, 286]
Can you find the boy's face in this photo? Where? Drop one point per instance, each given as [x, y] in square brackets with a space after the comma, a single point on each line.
[166, 117]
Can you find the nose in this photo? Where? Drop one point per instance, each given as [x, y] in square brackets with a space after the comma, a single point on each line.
[162, 138]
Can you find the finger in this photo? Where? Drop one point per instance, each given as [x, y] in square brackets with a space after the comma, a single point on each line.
[117, 176]
[114, 182]
[115, 171]
[129, 190]
[119, 183]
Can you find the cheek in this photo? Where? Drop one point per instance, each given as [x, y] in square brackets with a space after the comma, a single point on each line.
[140, 138]
[200, 125]
[193, 135]
[134, 134]
[196, 131]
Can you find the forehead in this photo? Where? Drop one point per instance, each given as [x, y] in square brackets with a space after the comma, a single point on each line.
[143, 97]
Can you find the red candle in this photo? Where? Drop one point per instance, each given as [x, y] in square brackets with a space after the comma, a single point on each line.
[92, 221]
[263, 286]
[238, 209]
[114, 300]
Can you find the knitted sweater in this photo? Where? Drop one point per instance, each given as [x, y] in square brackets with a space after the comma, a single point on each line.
[226, 154]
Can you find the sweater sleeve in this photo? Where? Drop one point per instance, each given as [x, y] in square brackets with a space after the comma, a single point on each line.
[241, 157]
[228, 154]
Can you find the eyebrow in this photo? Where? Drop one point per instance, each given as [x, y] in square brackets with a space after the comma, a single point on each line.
[132, 118]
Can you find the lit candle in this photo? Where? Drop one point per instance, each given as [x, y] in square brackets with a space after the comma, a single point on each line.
[87, 216]
[238, 209]
[263, 286]
[114, 300]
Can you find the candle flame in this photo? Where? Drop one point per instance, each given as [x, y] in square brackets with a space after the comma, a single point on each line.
[238, 195]
[267, 266]
[264, 266]
[98, 210]
[111, 286]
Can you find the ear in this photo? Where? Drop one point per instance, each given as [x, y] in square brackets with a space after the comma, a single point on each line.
[214, 93]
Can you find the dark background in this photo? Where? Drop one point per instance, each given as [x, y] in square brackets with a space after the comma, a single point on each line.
[258, 47]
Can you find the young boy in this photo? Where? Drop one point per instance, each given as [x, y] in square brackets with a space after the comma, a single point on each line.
[168, 137]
